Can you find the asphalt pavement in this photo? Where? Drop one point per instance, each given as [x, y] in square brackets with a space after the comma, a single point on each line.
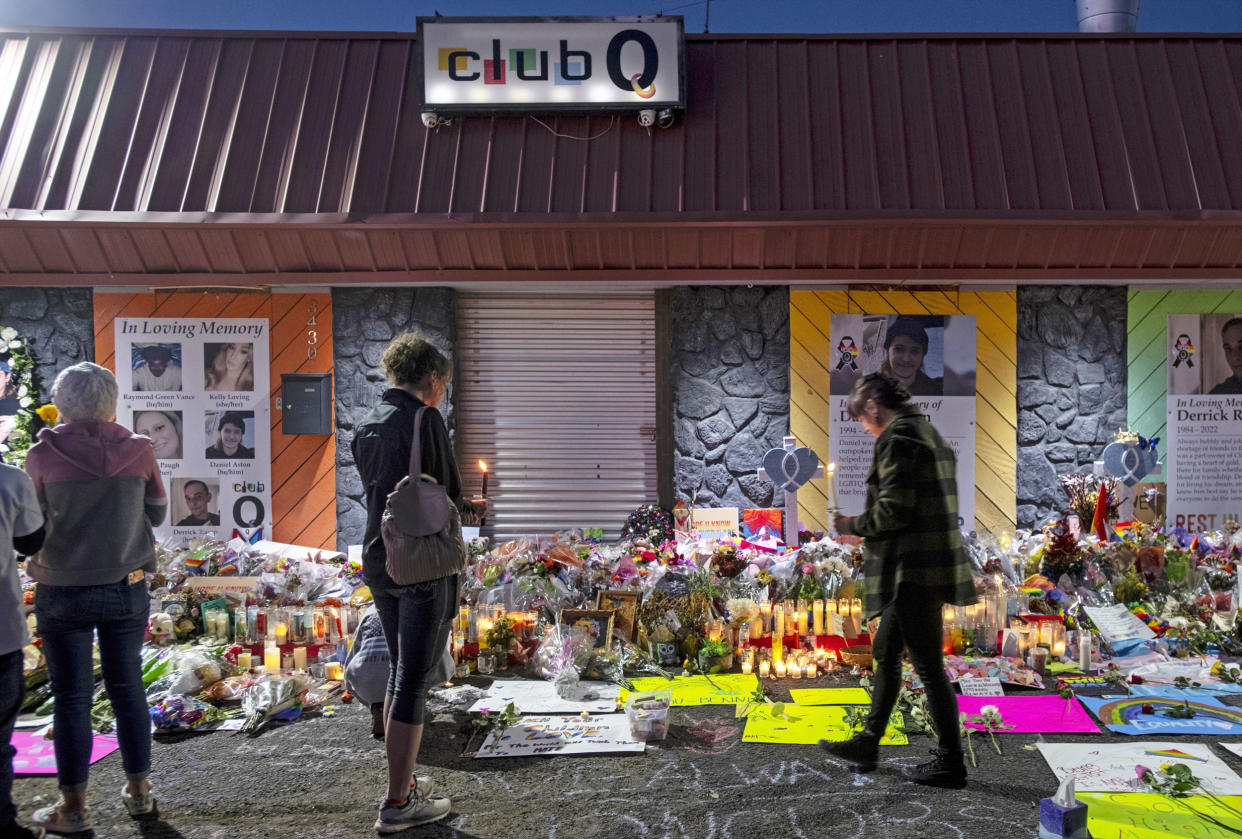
[322, 776]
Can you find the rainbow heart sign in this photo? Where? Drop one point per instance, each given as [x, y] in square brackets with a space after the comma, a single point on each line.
[1148, 714]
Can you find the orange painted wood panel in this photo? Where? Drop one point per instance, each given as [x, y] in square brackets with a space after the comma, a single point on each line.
[303, 466]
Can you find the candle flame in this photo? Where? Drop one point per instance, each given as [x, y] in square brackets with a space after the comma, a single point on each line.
[832, 467]
[483, 466]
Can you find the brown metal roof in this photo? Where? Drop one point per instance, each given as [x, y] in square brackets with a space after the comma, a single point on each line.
[262, 153]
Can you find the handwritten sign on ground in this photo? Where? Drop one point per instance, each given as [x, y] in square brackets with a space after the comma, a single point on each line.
[1034, 714]
[1109, 767]
[1154, 711]
[36, 756]
[725, 689]
[807, 724]
[981, 686]
[1138, 815]
[535, 736]
[1012, 671]
[530, 697]
[1117, 623]
[830, 696]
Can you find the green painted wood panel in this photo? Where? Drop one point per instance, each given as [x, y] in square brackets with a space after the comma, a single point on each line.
[1147, 322]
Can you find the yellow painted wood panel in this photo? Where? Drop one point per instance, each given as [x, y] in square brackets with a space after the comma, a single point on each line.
[996, 444]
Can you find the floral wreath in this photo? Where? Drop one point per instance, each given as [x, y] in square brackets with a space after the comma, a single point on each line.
[14, 352]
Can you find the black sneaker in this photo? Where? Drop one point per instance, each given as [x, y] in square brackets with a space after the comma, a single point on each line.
[946, 770]
[863, 750]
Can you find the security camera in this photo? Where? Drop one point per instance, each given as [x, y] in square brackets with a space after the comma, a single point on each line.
[646, 117]
[430, 120]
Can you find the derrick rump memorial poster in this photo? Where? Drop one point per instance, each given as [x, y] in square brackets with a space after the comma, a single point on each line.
[1204, 403]
[199, 388]
[934, 357]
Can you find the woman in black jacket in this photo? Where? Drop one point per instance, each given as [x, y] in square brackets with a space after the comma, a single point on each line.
[416, 618]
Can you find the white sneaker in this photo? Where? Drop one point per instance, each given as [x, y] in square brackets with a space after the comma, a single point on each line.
[55, 820]
[418, 809]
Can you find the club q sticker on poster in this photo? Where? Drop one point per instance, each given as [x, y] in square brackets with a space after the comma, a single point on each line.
[199, 388]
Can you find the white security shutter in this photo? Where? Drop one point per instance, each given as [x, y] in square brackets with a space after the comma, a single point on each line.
[557, 394]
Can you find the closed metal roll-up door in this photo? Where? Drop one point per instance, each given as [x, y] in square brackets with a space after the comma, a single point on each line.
[557, 394]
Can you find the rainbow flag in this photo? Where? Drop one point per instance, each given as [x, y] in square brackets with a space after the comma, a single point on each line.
[1173, 753]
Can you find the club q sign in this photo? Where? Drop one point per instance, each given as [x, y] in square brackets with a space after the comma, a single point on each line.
[551, 64]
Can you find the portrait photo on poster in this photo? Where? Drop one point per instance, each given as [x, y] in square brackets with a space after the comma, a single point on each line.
[165, 430]
[195, 502]
[155, 367]
[10, 404]
[231, 434]
[1205, 354]
[228, 367]
[920, 351]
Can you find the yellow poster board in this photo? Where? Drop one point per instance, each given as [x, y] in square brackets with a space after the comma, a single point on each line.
[808, 724]
[830, 696]
[1147, 815]
[724, 689]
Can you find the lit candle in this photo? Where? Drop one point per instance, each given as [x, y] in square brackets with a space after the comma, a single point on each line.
[778, 634]
[765, 669]
[811, 672]
[483, 466]
[765, 614]
[282, 633]
[818, 611]
[299, 658]
[830, 608]
[1058, 647]
[334, 671]
[832, 487]
[795, 669]
[243, 661]
[485, 624]
[746, 666]
[336, 614]
[271, 659]
[856, 616]
[780, 668]
[797, 618]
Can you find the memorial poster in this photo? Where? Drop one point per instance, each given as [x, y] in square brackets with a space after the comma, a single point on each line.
[934, 356]
[199, 388]
[1204, 422]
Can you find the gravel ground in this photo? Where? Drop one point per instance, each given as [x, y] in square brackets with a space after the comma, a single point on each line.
[322, 776]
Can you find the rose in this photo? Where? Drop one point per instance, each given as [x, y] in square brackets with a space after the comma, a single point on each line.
[1142, 772]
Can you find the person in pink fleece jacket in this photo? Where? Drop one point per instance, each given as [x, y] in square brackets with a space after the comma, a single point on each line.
[101, 492]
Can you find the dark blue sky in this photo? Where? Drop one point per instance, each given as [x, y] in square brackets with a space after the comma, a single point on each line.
[726, 15]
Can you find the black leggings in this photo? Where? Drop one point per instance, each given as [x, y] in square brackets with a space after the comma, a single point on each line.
[416, 621]
[913, 622]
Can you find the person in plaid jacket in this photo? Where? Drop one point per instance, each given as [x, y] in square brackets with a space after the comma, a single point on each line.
[914, 563]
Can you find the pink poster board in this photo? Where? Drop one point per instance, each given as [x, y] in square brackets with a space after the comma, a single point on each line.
[35, 756]
[1034, 714]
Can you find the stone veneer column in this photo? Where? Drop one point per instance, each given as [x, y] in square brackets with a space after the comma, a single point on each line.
[1071, 388]
[730, 382]
[364, 320]
[59, 323]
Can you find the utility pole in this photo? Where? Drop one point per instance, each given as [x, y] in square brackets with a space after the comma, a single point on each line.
[708, 19]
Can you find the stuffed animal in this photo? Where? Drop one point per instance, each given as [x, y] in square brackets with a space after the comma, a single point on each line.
[161, 628]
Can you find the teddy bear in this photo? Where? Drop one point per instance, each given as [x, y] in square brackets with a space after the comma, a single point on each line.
[160, 628]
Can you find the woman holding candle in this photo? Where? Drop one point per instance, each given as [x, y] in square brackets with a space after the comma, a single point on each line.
[100, 487]
[416, 619]
[914, 563]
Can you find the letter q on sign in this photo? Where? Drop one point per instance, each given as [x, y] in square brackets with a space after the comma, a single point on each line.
[244, 505]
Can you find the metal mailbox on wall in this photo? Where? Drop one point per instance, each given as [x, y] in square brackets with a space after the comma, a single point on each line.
[306, 403]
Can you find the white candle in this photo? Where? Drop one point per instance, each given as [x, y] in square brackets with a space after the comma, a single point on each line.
[795, 670]
[810, 670]
[746, 667]
[765, 669]
[832, 487]
[780, 669]
[243, 661]
[271, 659]
[818, 610]
[299, 658]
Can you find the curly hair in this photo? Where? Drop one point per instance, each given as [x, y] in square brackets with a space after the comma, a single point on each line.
[410, 358]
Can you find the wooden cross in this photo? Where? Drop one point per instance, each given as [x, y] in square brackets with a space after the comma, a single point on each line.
[788, 469]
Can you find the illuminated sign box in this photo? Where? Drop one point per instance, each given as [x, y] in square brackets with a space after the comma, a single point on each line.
[551, 64]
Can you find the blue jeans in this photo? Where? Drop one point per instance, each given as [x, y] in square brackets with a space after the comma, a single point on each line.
[12, 690]
[69, 616]
[416, 621]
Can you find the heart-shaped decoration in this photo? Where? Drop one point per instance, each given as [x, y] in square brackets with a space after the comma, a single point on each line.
[1129, 463]
[790, 470]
